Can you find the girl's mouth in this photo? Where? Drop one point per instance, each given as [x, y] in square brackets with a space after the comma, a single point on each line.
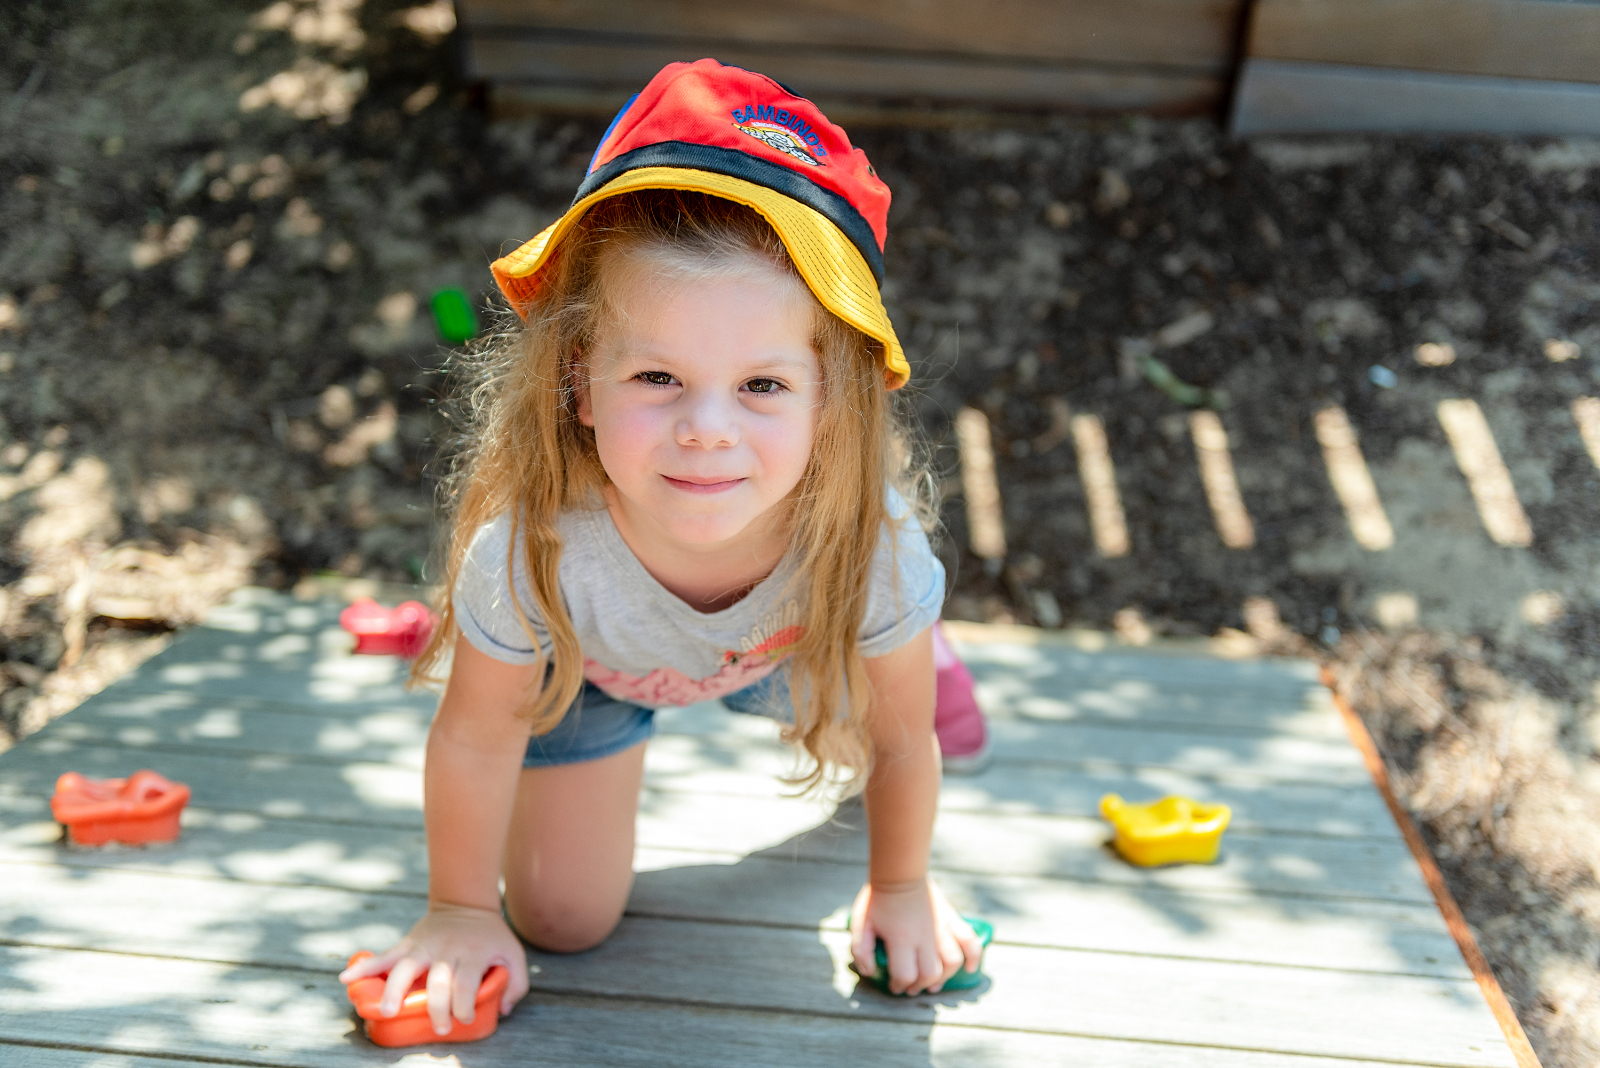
[702, 485]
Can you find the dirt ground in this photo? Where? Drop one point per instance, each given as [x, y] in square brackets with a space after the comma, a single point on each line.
[221, 224]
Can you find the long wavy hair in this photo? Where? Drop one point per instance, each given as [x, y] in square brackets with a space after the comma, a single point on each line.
[522, 451]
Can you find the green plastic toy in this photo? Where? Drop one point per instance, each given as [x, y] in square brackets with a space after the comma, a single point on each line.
[962, 980]
[452, 311]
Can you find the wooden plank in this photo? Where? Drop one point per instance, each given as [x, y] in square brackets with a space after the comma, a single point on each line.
[266, 615]
[238, 846]
[55, 1057]
[1278, 96]
[1557, 40]
[301, 666]
[385, 734]
[1010, 693]
[1034, 736]
[94, 1001]
[1044, 846]
[1180, 33]
[1091, 659]
[279, 642]
[1008, 686]
[742, 767]
[744, 758]
[240, 921]
[1101, 995]
[140, 702]
[629, 64]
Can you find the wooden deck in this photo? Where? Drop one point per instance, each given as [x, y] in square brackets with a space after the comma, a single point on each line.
[1314, 943]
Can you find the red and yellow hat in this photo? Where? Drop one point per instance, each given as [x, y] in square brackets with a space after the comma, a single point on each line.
[709, 128]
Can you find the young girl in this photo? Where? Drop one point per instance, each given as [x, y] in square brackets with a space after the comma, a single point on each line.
[687, 482]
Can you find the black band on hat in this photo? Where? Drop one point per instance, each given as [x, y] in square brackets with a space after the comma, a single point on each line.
[736, 164]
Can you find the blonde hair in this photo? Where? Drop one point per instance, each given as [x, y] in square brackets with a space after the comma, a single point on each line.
[525, 453]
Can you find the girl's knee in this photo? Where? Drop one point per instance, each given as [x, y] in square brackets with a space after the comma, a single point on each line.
[562, 927]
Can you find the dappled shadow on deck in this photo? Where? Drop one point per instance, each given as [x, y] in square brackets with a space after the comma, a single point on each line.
[304, 843]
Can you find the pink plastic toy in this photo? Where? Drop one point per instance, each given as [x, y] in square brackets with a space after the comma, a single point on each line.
[399, 631]
[142, 808]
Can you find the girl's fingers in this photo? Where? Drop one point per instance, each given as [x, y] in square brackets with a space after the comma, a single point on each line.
[951, 957]
[439, 985]
[961, 939]
[372, 965]
[398, 983]
[862, 935]
[464, 1004]
[971, 945]
[903, 969]
[862, 944]
[930, 970]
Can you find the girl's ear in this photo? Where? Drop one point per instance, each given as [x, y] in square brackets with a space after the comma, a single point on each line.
[580, 393]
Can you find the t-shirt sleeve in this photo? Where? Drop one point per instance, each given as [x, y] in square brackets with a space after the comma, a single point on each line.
[906, 586]
[482, 599]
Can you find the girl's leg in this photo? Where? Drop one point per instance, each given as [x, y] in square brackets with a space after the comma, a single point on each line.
[569, 855]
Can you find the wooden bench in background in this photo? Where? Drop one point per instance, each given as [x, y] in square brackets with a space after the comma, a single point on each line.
[1158, 56]
[1454, 66]
[1448, 66]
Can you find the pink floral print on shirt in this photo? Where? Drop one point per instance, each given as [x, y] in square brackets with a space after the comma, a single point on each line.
[768, 644]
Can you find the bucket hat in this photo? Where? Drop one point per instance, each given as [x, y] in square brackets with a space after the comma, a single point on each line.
[727, 132]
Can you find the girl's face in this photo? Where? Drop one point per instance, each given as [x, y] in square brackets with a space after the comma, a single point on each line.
[703, 395]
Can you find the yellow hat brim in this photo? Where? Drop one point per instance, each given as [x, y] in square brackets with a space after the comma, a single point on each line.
[831, 265]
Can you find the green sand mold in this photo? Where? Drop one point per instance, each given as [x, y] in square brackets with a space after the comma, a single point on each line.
[962, 980]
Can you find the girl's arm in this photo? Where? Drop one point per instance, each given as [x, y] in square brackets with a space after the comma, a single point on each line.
[925, 939]
[474, 756]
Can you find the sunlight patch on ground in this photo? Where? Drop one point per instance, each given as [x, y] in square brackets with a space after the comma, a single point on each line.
[1106, 518]
[1352, 481]
[1586, 413]
[406, 731]
[1220, 482]
[284, 647]
[385, 785]
[1396, 611]
[1486, 474]
[218, 723]
[339, 943]
[986, 529]
[1542, 607]
[1296, 867]
[319, 861]
[194, 674]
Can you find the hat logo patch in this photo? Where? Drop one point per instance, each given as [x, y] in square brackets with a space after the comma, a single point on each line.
[781, 129]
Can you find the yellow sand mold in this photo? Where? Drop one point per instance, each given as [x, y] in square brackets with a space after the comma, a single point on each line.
[1173, 830]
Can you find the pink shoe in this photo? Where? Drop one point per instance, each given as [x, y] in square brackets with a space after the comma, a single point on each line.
[957, 720]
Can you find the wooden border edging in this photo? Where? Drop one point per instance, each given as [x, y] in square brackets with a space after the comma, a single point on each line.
[1516, 1038]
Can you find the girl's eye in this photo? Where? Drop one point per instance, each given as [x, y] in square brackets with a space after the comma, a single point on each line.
[764, 385]
[656, 378]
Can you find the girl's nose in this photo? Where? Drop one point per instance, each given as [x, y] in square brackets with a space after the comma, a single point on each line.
[706, 422]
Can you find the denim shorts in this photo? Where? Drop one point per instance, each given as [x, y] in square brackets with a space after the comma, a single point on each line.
[597, 725]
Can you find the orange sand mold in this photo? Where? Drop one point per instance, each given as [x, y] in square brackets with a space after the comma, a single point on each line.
[142, 808]
[410, 1026]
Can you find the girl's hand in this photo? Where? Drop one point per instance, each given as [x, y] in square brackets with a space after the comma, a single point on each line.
[455, 945]
[924, 938]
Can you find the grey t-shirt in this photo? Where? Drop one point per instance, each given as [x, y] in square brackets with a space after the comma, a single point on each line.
[643, 645]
